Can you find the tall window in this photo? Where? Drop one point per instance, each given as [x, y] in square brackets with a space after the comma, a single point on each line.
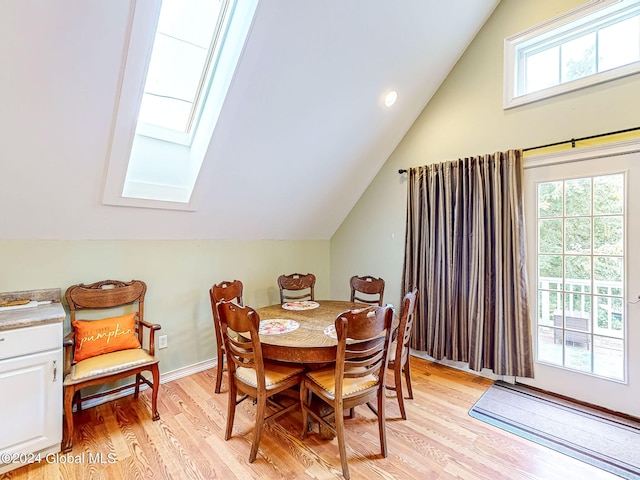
[590, 46]
[581, 322]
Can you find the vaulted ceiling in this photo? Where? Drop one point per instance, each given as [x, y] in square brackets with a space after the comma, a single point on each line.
[302, 133]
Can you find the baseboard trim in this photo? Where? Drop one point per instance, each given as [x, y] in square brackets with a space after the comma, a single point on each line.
[188, 370]
[164, 378]
[462, 366]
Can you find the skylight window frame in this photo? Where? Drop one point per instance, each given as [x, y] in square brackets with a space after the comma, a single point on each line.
[145, 172]
[217, 40]
[588, 18]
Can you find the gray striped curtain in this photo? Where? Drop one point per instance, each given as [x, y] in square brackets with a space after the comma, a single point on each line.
[465, 251]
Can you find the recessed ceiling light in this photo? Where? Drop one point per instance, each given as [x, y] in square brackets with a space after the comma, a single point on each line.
[390, 98]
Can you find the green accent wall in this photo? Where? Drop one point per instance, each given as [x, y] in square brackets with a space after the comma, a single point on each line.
[178, 276]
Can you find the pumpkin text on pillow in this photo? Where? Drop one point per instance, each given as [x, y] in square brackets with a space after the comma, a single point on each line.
[95, 337]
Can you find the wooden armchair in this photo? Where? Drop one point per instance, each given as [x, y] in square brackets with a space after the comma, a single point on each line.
[224, 291]
[296, 282]
[369, 286]
[102, 350]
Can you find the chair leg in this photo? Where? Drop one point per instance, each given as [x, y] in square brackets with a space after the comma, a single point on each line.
[136, 390]
[155, 372]
[257, 432]
[407, 374]
[77, 400]
[341, 445]
[397, 375]
[304, 402]
[382, 422]
[219, 369]
[231, 408]
[67, 440]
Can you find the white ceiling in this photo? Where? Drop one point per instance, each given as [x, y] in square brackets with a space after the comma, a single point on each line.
[301, 135]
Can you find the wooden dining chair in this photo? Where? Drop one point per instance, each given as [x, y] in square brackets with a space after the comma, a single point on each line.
[399, 360]
[296, 282]
[370, 286]
[249, 374]
[356, 378]
[102, 350]
[227, 291]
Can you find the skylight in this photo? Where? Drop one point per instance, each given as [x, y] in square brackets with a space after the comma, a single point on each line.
[164, 124]
[184, 54]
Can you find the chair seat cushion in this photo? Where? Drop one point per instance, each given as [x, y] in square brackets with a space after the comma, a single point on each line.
[274, 374]
[326, 379]
[108, 364]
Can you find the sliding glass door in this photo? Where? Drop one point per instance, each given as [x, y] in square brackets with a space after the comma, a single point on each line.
[584, 265]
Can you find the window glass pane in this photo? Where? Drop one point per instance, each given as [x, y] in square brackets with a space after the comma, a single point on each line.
[577, 235]
[191, 21]
[549, 308]
[578, 351]
[608, 269]
[608, 235]
[542, 70]
[608, 357]
[179, 62]
[578, 273]
[609, 317]
[550, 199]
[607, 194]
[550, 272]
[550, 235]
[577, 311]
[164, 112]
[175, 69]
[578, 57]
[619, 44]
[577, 197]
[550, 345]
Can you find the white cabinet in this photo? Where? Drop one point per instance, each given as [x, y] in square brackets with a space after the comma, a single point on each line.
[31, 375]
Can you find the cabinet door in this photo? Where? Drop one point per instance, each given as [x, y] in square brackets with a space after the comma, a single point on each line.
[31, 413]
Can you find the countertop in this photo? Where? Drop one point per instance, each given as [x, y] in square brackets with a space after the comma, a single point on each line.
[41, 314]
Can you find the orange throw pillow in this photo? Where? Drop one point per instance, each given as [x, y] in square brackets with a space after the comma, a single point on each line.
[95, 337]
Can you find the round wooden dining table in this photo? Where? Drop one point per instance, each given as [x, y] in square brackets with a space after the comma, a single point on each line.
[312, 341]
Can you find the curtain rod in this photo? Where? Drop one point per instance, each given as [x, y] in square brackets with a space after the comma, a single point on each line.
[572, 140]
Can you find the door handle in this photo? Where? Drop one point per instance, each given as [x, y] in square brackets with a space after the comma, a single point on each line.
[637, 301]
[55, 370]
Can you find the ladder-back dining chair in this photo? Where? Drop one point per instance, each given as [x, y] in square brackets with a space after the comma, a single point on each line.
[296, 282]
[356, 378]
[370, 286]
[223, 291]
[102, 350]
[249, 374]
[399, 360]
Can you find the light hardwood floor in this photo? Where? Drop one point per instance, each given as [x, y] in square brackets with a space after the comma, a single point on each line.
[438, 441]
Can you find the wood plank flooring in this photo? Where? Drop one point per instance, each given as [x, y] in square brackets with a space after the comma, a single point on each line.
[438, 441]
